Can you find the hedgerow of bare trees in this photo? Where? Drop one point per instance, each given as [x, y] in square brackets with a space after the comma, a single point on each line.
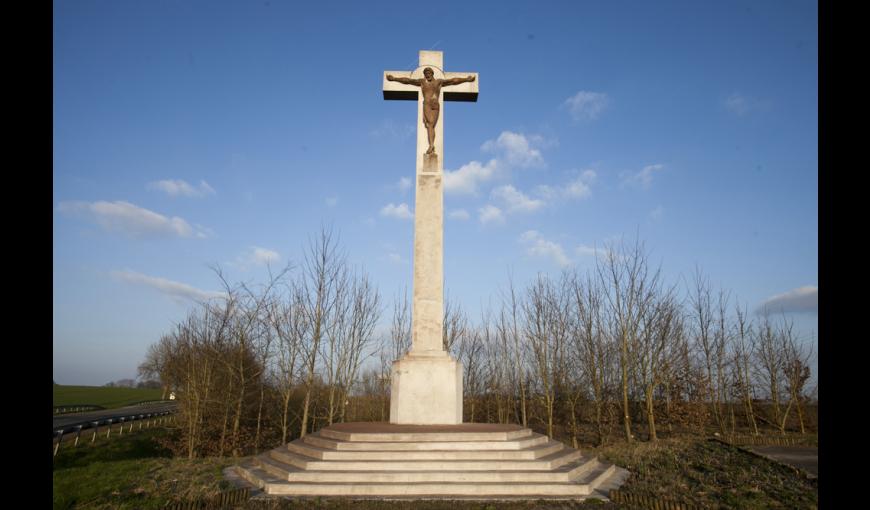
[583, 353]
[578, 355]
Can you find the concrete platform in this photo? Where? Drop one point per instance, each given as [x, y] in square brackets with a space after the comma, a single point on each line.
[429, 461]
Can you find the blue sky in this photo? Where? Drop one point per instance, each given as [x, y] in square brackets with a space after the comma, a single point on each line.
[190, 134]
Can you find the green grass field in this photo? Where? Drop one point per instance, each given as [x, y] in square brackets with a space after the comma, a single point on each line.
[107, 397]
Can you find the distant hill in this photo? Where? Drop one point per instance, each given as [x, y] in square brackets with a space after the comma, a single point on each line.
[102, 396]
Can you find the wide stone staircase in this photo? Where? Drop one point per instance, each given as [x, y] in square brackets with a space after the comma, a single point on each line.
[435, 461]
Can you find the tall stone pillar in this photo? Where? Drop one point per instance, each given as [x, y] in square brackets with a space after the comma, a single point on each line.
[427, 382]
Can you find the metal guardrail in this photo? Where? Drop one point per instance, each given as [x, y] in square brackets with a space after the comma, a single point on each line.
[75, 408]
[122, 418]
[156, 401]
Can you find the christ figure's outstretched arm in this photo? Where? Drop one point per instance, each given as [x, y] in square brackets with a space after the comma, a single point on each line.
[406, 81]
[456, 81]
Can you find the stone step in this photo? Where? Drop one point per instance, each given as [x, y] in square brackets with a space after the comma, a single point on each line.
[429, 461]
[600, 474]
[574, 471]
[545, 463]
[253, 473]
[428, 489]
[315, 452]
[464, 436]
[337, 444]
[278, 469]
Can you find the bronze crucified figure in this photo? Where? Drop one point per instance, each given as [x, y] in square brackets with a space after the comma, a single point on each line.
[431, 89]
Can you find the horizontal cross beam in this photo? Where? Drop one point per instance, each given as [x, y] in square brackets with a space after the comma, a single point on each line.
[399, 91]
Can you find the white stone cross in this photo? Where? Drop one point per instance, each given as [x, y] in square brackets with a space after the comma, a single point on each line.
[427, 316]
[427, 383]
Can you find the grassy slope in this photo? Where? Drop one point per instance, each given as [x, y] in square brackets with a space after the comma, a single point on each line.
[106, 397]
[131, 472]
[709, 474]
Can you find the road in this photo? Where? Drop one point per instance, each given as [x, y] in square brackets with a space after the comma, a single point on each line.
[802, 457]
[73, 419]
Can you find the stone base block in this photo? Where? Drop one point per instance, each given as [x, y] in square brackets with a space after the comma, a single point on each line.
[426, 390]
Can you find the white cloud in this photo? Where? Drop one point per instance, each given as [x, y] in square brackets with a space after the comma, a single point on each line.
[459, 214]
[511, 150]
[205, 188]
[255, 256]
[515, 200]
[737, 104]
[740, 105]
[331, 201]
[579, 188]
[541, 142]
[469, 176]
[397, 259]
[179, 187]
[176, 290]
[130, 219]
[642, 179]
[515, 149]
[400, 211]
[657, 213]
[546, 191]
[801, 300]
[404, 184]
[537, 246]
[490, 213]
[586, 105]
[264, 256]
[589, 251]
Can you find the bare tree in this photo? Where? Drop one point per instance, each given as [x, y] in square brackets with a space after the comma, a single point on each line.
[509, 334]
[197, 373]
[624, 275]
[455, 325]
[357, 334]
[335, 332]
[156, 364]
[590, 345]
[742, 361]
[546, 329]
[796, 369]
[710, 339]
[288, 321]
[322, 270]
[249, 335]
[660, 313]
[400, 326]
[471, 350]
[498, 368]
[769, 364]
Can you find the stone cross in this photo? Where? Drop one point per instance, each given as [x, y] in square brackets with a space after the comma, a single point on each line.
[427, 383]
[428, 311]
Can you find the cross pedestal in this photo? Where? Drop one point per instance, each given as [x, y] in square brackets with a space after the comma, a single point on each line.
[426, 386]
